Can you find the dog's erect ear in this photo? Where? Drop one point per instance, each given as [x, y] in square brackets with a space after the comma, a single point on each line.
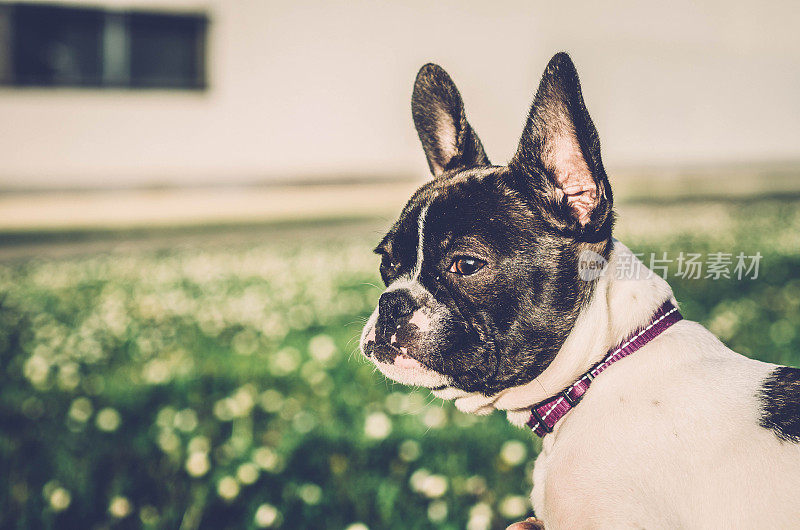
[447, 138]
[559, 154]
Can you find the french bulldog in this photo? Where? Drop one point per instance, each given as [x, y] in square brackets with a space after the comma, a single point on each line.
[485, 304]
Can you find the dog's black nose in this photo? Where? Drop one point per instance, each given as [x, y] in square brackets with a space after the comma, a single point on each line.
[396, 304]
[392, 306]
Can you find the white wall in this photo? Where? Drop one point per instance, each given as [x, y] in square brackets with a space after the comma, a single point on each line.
[315, 88]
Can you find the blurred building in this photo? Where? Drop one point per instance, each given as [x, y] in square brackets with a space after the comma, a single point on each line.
[158, 92]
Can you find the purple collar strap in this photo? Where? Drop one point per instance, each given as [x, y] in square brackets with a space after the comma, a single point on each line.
[546, 414]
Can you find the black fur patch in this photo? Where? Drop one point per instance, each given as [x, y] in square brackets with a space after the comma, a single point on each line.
[780, 403]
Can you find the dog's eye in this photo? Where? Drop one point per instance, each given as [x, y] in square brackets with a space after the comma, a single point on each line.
[388, 263]
[465, 265]
[388, 269]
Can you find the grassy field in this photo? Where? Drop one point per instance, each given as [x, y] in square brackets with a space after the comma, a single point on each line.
[220, 387]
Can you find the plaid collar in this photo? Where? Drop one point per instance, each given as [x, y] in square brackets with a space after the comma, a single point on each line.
[546, 414]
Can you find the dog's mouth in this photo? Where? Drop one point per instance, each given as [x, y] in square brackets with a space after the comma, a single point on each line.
[396, 348]
[395, 362]
[409, 371]
[398, 355]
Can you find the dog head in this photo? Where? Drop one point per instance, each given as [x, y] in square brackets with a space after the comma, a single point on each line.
[481, 267]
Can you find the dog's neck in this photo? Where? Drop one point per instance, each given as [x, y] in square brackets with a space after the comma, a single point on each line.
[624, 299]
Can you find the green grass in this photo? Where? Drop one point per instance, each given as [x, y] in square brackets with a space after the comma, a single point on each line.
[220, 387]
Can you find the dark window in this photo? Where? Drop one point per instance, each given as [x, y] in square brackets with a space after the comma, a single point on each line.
[164, 50]
[44, 45]
[57, 46]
